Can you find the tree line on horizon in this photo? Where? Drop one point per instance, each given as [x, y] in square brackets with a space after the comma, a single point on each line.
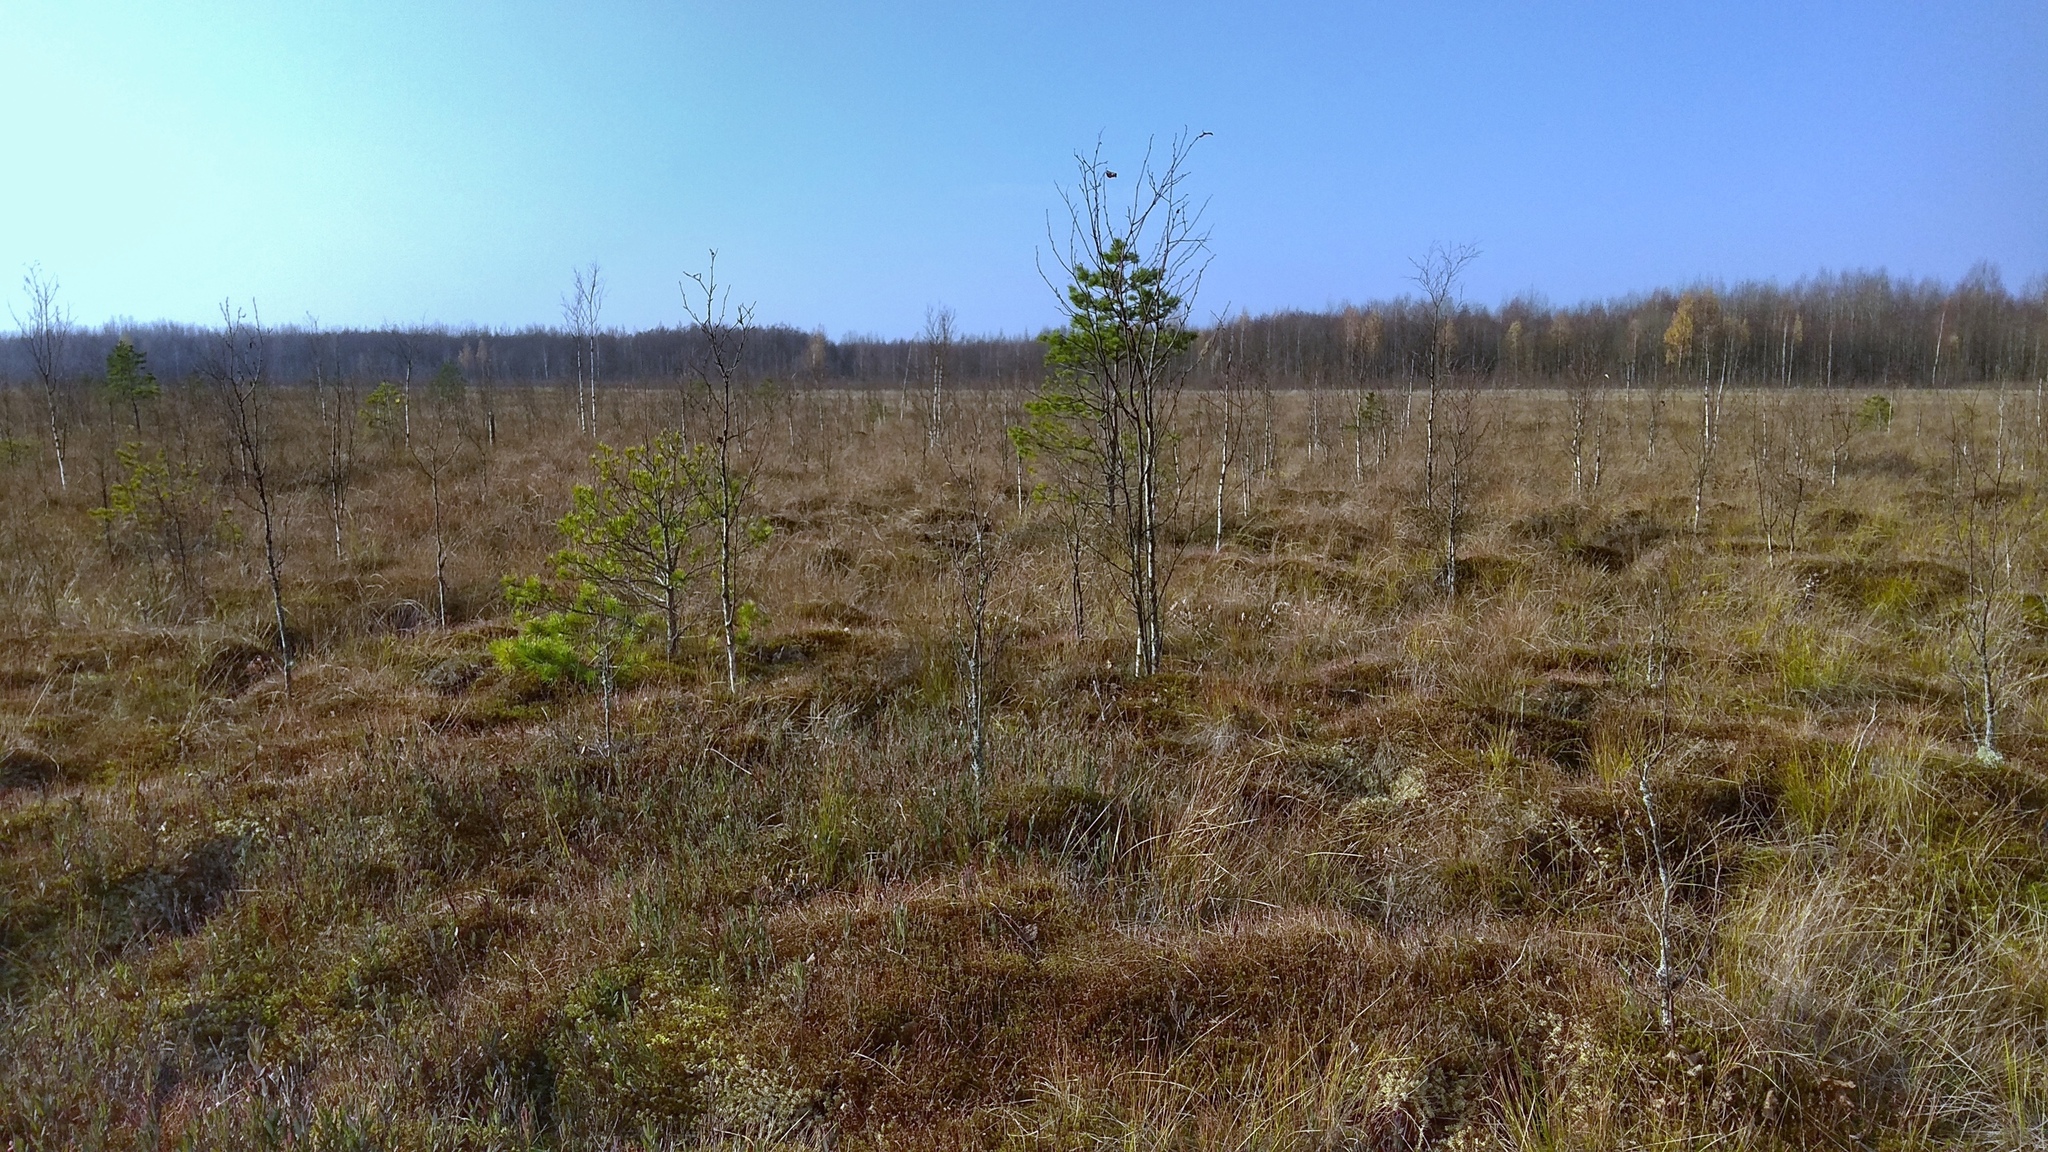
[1852, 328]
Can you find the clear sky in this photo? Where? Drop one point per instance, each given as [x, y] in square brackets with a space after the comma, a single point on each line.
[374, 160]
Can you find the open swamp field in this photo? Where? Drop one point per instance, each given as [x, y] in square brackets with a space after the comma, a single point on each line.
[1697, 800]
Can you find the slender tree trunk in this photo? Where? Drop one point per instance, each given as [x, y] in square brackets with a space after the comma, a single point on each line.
[1990, 698]
[1578, 418]
[1656, 413]
[1429, 442]
[56, 434]
[1149, 478]
[337, 511]
[1699, 481]
[1266, 464]
[728, 604]
[1223, 470]
[440, 549]
[1074, 573]
[273, 562]
[337, 480]
[607, 676]
[1599, 443]
[672, 616]
[1315, 419]
[593, 385]
[977, 695]
[1451, 546]
[1667, 974]
[1358, 441]
[1940, 331]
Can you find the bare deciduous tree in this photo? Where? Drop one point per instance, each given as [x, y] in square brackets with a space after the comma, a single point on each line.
[238, 371]
[46, 330]
[1585, 402]
[1668, 979]
[1370, 417]
[1782, 466]
[445, 445]
[405, 349]
[1227, 364]
[335, 394]
[967, 540]
[583, 310]
[976, 569]
[1464, 426]
[727, 484]
[1437, 274]
[1698, 335]
[938, 347]
[1988, 522]
[479, 367]
[1315, 414]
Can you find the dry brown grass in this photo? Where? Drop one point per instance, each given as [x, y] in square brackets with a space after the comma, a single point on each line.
[1366, 867]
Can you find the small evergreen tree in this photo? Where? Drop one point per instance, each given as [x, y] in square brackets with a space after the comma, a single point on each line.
[384, 407]
[638, 532]
[129, 381]
[164, 515]
[579, 636]
[1103, 418]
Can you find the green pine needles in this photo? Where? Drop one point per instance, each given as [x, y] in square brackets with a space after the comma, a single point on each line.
[636, 539]
[129, 381]
[1099, 426]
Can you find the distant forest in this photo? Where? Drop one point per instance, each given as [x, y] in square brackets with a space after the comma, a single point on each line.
[1862, 328]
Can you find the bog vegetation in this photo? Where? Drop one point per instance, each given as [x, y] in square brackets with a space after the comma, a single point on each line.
[1152, 758]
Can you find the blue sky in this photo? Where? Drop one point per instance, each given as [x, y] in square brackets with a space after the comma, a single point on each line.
[378, 161]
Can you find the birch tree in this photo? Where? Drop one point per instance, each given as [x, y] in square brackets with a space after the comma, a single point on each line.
[1437, 274]
[1693, 337]
[1227, 364]
[1988, 523]
[239, 373]
[938, 348]
[966, 539]
[334, 394]
[405, 349]
[1583, 355]
[583, 311]
[1464, 427]
[445, 445]
[726, 483]
[46, 329]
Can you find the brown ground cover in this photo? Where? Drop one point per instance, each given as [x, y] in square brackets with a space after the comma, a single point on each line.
[1368, 865]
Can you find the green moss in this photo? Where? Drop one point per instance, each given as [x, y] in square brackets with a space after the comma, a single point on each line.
[644, 1048]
